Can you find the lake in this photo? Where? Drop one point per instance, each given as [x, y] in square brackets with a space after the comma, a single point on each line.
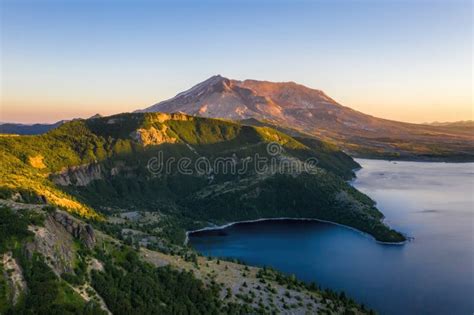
[432, 274]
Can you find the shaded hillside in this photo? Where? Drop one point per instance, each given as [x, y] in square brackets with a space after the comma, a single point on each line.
[313, 112]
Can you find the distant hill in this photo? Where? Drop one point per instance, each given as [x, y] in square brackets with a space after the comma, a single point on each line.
[33, 129]
[25, 129]
[312, 112]
[461, 123]
[467, 123]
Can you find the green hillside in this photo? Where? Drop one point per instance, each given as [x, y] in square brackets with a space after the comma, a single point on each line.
[93, 215]
[101, 167]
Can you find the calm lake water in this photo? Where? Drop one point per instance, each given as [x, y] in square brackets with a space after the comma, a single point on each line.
[432, 274]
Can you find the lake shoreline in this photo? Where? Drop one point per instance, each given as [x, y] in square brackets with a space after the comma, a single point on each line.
[224, 226]
[351, 181]
[389, 279]
[416, 158]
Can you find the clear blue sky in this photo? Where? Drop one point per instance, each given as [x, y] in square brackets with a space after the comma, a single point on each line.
[405, 60]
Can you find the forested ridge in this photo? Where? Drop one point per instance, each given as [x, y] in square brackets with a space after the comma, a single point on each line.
[57, 188]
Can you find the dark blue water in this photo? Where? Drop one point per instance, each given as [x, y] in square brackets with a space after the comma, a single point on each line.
[433, 274]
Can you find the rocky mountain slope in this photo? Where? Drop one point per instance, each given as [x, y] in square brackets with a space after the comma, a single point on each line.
[48, 266]
[314, 113]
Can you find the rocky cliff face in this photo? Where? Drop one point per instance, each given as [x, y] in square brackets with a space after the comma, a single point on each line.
[76, 228]
[55, 240]
[85, 174]
[78, 175]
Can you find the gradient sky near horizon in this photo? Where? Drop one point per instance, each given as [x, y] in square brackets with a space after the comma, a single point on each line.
[402, 60]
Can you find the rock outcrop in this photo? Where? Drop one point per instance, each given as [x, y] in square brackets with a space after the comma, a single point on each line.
[55, 243]
[76, 228]
[14, 275]
[80, 175]
[153, 136]
[55, 240]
